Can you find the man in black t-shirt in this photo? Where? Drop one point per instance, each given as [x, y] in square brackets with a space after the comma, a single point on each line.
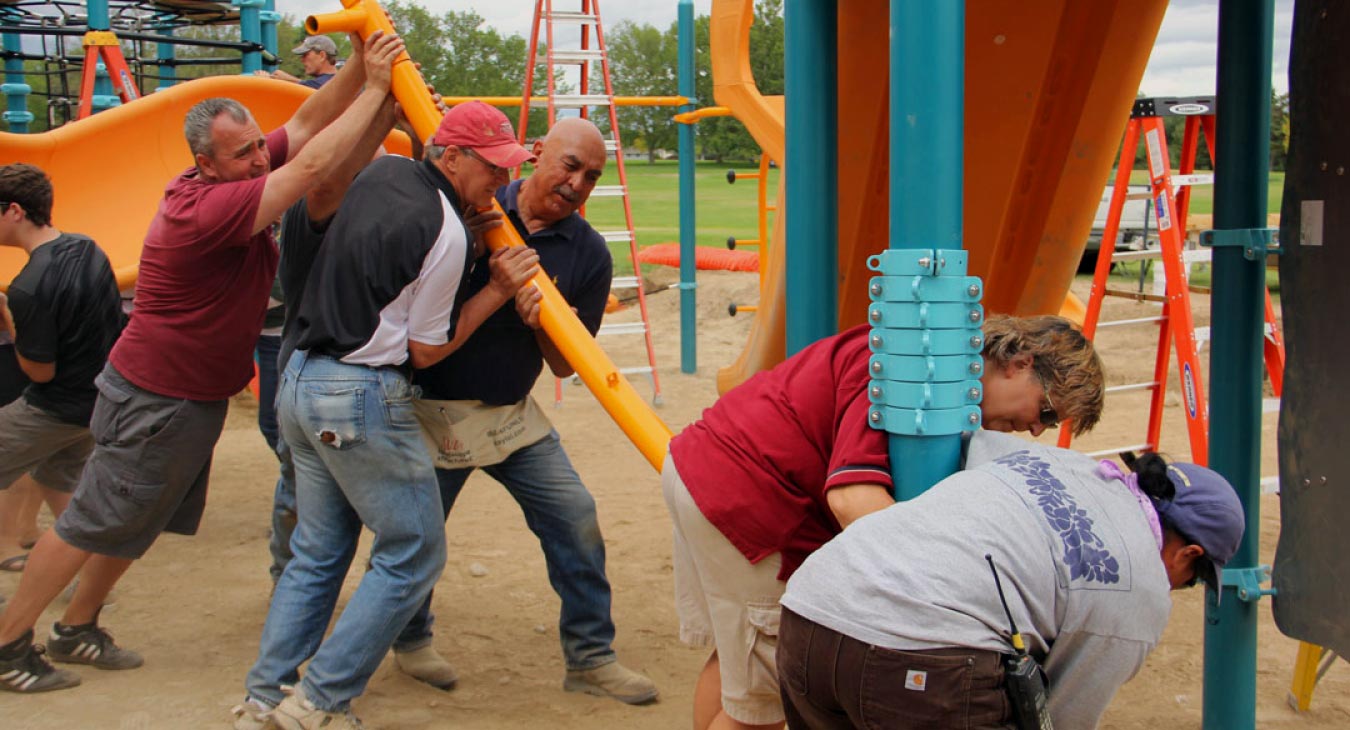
[63, 313]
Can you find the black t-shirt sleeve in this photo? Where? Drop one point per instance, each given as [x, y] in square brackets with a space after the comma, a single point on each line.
[38, 336]
[301, 239]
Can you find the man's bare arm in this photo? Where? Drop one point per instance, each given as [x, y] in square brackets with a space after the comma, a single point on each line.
[38, 372]
[511, 268]
[324, 200]
[527, 306]
[328, 149]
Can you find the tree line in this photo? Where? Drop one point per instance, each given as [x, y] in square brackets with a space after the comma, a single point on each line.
[460, 55]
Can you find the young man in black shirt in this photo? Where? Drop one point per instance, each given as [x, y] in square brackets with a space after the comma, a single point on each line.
[64, 313]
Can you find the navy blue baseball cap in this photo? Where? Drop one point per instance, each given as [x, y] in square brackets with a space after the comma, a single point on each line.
[1206, 511]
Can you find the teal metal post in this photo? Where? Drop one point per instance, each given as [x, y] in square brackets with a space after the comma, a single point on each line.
[15, 88]
[1242, 154]
[811, 70]
[927, 80]
[168, 73]
[269, 17]
[250, 31]
[688, 283]
[103, 97]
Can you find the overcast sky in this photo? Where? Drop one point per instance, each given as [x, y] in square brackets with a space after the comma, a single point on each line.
[1182, 62]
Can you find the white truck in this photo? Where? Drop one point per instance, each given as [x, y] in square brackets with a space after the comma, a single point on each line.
[1137, 224]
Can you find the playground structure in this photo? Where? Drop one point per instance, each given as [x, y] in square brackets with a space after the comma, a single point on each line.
[107, 76]
[1032, 166]
[1040, 121]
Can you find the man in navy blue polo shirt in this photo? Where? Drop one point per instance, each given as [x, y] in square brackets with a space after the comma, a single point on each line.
[478, 412]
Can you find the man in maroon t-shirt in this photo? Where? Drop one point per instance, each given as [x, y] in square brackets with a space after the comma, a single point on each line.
[206, 269]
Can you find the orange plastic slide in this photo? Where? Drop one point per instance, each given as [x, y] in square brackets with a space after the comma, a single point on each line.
[1049, 84]
[109, 171]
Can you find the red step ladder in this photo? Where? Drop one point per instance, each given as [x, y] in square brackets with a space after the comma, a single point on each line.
[1170, 199]
[591, 49]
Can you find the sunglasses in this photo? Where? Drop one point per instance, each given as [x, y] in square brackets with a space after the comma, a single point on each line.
[1049, 414]
[494, 169]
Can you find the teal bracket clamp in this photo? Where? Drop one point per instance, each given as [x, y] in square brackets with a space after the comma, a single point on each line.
[1255, 243]
[1246, 582]
[926, 342]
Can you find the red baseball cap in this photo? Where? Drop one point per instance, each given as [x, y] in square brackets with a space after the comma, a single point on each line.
[485, 130]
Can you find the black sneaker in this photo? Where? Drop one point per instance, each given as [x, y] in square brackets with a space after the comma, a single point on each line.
[31, 672]
[91, 645]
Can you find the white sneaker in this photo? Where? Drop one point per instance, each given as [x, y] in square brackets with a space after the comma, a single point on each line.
[298, 713]
[612, 680]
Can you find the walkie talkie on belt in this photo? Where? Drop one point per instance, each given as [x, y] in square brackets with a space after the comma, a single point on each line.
[1025, 680]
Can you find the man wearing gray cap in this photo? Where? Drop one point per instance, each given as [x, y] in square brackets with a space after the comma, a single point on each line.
[905, 608]
[318, 54]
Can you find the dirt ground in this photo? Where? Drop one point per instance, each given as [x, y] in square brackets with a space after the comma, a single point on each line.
[194, 607]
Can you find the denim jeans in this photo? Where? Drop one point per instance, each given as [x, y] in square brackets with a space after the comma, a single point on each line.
[283, 513]
[266, 352]
[283, 501]
[561, 513]
[359, 460]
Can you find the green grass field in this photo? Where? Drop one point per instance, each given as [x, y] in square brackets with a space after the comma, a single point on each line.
[722, 210]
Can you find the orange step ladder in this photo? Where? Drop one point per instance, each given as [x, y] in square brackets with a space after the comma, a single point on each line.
[102, 45]
[1170, 199]
[590, 49]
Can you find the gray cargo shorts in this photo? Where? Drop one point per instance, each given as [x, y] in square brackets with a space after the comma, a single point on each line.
[34, 441]
[148, 472]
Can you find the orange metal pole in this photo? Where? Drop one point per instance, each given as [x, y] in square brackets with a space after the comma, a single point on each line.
[618, 397]
[700, 114]
[618, 100]
[364, 17]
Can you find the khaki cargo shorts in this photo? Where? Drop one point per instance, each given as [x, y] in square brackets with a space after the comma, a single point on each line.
[35, 442]
[724, 600]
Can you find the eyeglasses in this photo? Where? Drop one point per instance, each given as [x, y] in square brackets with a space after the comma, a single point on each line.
[1049, 414]
[494, 169]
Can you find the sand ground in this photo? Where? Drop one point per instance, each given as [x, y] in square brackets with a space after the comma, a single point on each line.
[195, 606]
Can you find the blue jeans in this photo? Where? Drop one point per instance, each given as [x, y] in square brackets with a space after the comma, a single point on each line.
[283, 501]
[561, 513]
[283, 513]
[266, 352]
[359, 460]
